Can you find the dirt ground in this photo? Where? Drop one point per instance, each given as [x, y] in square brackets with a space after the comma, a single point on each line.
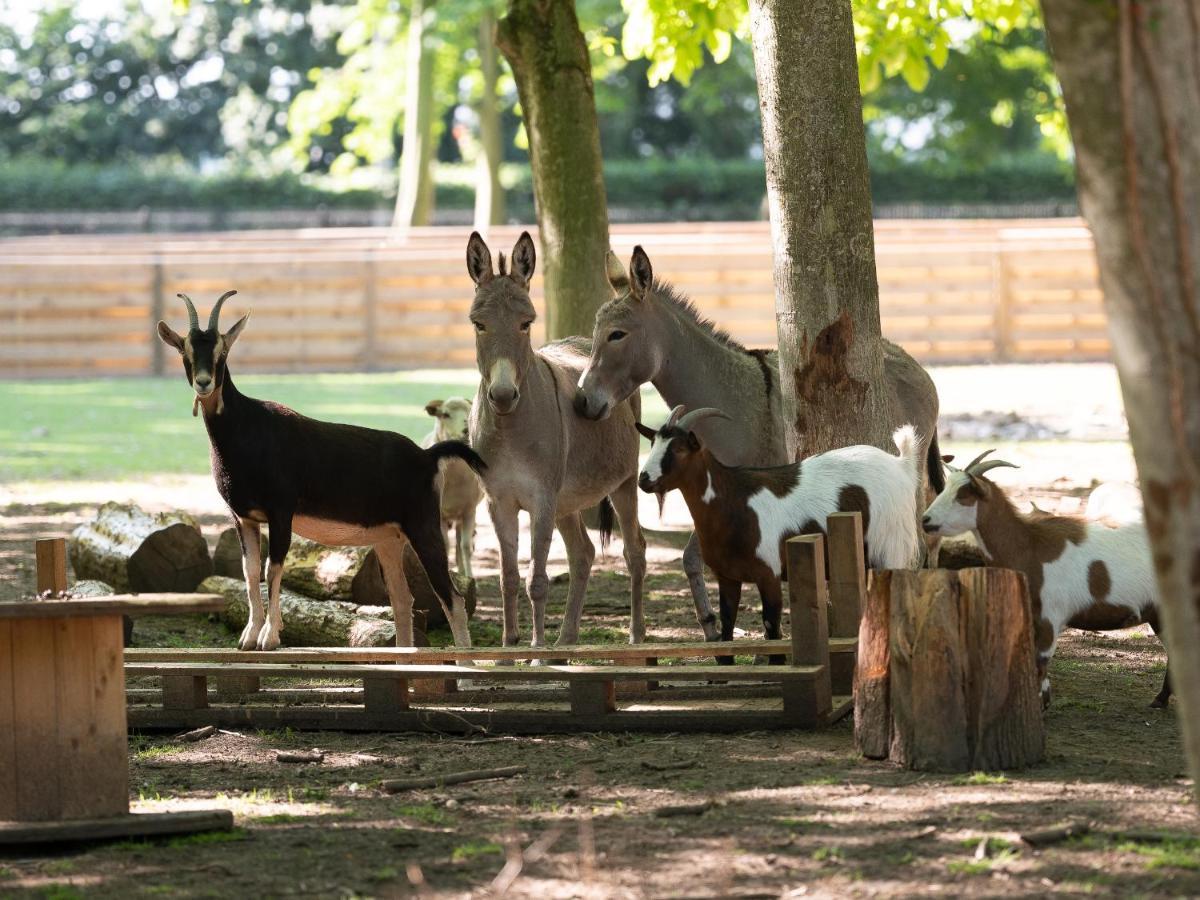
[785, 814]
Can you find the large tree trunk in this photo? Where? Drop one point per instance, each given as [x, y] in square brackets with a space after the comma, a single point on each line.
[1131, 79]
[549, 59]
[414, 201]
[819, 197]
[489, 195]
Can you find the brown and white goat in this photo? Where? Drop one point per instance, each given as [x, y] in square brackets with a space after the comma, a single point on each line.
[744, 515]
[458, 488]
[1081, 574]
[336, 484]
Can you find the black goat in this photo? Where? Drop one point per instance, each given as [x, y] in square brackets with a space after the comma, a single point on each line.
[336, 484]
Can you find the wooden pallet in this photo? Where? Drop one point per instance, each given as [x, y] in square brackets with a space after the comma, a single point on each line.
[451, 689]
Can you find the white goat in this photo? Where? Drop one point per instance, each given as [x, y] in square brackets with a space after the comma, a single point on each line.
[1081, 574]
[459, 489]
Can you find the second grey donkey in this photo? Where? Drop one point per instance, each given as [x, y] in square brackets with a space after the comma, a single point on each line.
[541, 457]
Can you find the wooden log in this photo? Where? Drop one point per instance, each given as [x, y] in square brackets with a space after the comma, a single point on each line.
[227, 557]
[872, 710]
[399, 785]
[962, 691]
[809, 702]
[135, 551]
[308, 622]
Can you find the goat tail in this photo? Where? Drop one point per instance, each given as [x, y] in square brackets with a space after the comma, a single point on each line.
[607, 517]
[457, 450]
[933, 460]
[908, 442]
[905, 530]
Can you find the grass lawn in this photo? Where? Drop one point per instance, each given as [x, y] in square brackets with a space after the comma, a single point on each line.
[125, 427]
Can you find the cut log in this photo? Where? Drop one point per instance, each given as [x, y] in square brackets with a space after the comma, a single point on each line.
[227, 558]
[960, 691]
[89, 588]
[311, 623]
[132, 550]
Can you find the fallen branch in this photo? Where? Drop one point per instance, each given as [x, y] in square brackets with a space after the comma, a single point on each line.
[198, 734]
[1057, 834]
[397, 785]
[299, 756]
[668, 766]
[686, 809]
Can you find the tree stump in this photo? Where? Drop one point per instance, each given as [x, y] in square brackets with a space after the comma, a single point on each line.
[946, 679]
[128, 548]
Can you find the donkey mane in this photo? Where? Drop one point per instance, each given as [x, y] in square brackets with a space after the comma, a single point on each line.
[672, 295]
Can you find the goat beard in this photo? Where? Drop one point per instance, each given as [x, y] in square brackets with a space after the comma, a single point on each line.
[662, 499]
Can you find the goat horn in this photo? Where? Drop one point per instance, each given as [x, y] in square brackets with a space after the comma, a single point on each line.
[969, 466]
[696, 415]
[991, 464]
[193, 317]
[216, 310]
[674, 416]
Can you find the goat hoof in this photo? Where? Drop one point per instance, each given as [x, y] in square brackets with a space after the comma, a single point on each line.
[249, 637]
[268, 638]
[1159, 703]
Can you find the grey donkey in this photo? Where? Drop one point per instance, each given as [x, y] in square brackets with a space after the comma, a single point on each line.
[541, 457]
[652, 333]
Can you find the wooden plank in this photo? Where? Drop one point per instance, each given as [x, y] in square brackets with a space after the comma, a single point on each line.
[125, 604]
[184, 692]
[16, 834]
[847, 573]
[35, 693]
[51, 556]
[809, 702]
[8, 726]
[108, 642]
[229, 686]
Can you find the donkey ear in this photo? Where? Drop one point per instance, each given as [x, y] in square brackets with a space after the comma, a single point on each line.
[641, 274]
[617, 276]
[169, 337]
[646, 431]
[433, 407]
[523, 259]
[232, 334]
[479, 259]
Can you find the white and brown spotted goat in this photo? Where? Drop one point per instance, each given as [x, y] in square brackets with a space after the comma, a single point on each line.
[459, 489]
[744, 515]
[1081, 574]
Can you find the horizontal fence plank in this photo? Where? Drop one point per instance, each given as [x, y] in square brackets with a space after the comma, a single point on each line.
[345, 298]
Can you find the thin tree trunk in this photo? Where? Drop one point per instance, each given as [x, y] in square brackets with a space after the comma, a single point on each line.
[1131, 79]
[489, 195]
[819, 197]
[545, 48]
[414, 201]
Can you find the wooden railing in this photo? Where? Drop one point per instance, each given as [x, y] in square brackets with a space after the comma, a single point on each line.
[370, 298]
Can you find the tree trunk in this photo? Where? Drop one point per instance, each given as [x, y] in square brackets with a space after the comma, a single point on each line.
[1131, 80]
[946, 680]
[819, 198]
[489, 195]
[414, 201]
[132, 550]
[549, 58]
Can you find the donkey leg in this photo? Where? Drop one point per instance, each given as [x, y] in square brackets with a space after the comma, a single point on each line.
[693, 567]
[580, 555]
[249, 536]
[504, 520]
[391, 560]
[625, 504]
[541, 532]
[279, 541]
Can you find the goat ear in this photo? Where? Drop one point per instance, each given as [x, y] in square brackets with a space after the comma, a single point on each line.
[617, 276]
[978, 486]
[641, 273]
[523, 259]
[433, 407]
[947, 458]
[479, 259]
[646, 431]
[232, 334]
[169, 337]
[693, 441]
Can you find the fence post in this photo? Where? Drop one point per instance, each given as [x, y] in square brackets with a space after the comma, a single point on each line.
[808, 703]
[370, 314]
[158, 362]
[1002, 300]
[847, 591]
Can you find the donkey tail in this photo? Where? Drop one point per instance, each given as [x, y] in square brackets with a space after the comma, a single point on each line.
[937, 476]
[457, 450]
[607, 518]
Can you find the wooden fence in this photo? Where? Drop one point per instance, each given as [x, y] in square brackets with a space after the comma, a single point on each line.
[369, 298]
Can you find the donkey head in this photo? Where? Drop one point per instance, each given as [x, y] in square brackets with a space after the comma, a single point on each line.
[624, 356]
[204, 351]
[503, 315]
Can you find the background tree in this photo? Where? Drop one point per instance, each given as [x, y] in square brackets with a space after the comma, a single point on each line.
[414, 200]
[1131, 77]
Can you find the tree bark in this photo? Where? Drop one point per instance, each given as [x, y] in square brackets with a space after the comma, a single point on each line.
[946, 680]
[489, 194]
[128, 548]
[819, 198]
[414, 200]
[549, 58]
[1130, 74]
